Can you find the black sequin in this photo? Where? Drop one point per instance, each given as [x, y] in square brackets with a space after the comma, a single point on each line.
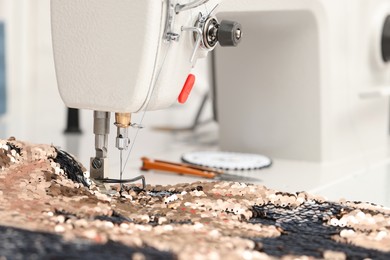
[304, 231]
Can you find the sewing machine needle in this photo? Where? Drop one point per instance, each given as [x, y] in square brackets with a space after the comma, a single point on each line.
[121, 170]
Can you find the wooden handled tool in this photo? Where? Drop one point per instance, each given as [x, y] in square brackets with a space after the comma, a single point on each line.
[179, 168]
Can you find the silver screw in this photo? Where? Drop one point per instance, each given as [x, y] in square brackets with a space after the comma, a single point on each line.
[238, 34]
[96, 163]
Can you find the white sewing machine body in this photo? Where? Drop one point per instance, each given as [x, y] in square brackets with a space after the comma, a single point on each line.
[108, 55]
[129, 56]
[295, 87]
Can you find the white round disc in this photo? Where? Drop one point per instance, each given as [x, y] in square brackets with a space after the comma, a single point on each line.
[227, 160]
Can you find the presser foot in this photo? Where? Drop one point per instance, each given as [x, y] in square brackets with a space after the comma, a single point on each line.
[107, 181]
[98, 167]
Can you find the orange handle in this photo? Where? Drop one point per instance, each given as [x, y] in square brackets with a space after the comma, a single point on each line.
[149, 164]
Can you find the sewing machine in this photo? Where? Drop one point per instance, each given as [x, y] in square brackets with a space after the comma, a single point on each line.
[131, 56]
[313, 79]
[312, 73]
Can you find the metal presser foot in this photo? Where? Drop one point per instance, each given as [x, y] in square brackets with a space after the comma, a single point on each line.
[99, 164]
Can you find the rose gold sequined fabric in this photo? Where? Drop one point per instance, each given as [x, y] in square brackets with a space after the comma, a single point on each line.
[216, 220]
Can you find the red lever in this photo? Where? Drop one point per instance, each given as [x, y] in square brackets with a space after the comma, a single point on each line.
[188, 85]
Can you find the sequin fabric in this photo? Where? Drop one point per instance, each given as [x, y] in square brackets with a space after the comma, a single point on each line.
[49, 208]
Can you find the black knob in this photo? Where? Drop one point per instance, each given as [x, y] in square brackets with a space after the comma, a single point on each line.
[386, 40]
[72, 122]
[229, 33]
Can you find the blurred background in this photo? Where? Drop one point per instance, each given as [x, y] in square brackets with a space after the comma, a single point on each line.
[31, 109]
